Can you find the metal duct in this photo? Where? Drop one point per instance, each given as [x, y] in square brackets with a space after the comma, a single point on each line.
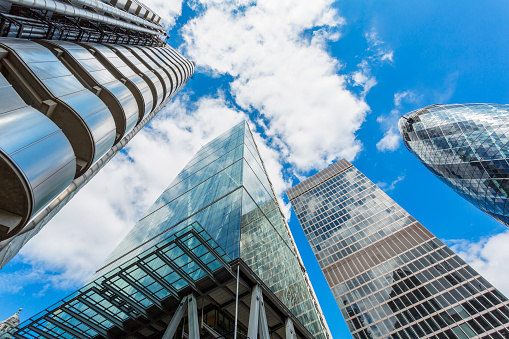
[69, 10]
[118, 12]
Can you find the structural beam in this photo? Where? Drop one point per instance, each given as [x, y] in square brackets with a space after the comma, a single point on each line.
[160, 281]
[289, 329]
[175, 320]
[257, 316]
[87, 322]
[192, 317]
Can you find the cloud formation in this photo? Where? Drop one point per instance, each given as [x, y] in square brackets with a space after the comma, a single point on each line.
[392, 139]
[290, 81]
[488, 256]
[378, 53]
[389, 187]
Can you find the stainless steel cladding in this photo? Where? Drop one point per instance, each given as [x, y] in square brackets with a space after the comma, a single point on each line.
[68, 108]
[70, 10]
[136, 8]
[36, 161]
[148, 75]
[163, 74]
[166, 63]
[49, 86]
[94, 76]
[102, 7]
[126, 74]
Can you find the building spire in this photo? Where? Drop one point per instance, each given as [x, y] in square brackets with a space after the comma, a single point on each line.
[10, 323]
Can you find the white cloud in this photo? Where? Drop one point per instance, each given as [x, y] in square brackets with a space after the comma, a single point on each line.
[389, 187]
[363, 77]
[392, 139]
[489, 257]
[378, 53]
[292, 82]
[387, 56]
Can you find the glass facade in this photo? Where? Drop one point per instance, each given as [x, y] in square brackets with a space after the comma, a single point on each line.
[467, 147]
[389, 275]
[225, 189]
[134, 290]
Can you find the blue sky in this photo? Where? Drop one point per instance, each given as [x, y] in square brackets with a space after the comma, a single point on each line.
[318, 81]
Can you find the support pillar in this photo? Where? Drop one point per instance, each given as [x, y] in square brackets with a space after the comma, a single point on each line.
[289, 329]
[257, 317]
[175, 321]
[192, 316]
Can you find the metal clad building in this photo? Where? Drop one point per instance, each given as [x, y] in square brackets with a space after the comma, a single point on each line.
[466, 147]
[78, 80]
[216, 241]
[389, 275]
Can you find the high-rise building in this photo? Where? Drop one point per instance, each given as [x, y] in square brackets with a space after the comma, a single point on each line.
[466, 147]
[216, 242]
[78, 80]
[391, 277]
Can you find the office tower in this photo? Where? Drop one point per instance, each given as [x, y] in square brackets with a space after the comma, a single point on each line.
[78, 80]
[217, 222]
[467, 147]
[391, 277]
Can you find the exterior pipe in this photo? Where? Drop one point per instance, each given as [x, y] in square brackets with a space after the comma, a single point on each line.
[101, 6]
[66, 9]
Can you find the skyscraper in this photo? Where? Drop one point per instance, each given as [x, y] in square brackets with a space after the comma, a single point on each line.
[214, 235]
[467, 147]
[78, 80]
[390, 276]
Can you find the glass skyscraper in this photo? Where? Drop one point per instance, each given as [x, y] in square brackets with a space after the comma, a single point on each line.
[224, 195]
[78, 81]
[390, 276]
[467, 147]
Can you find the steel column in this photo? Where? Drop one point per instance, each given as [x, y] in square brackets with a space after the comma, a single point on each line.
[257, 316]
[289, 329]
[192, 316]
[175, 321]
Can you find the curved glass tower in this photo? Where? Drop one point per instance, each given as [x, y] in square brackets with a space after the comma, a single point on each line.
[467, 147]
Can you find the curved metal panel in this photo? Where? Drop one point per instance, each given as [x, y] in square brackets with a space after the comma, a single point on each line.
[133, 8]
[97, 117]
[169, 66]
[145, 56]
[50, 86]
[37, 161]
[139, 67]
[182, 60]
[119, 99]
[138, 86]
[159, 60]
[174, 64]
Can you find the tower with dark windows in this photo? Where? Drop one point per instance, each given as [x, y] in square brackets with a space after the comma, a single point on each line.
[212, 257]
[467, 148]
[78, 80]
[391, 277]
